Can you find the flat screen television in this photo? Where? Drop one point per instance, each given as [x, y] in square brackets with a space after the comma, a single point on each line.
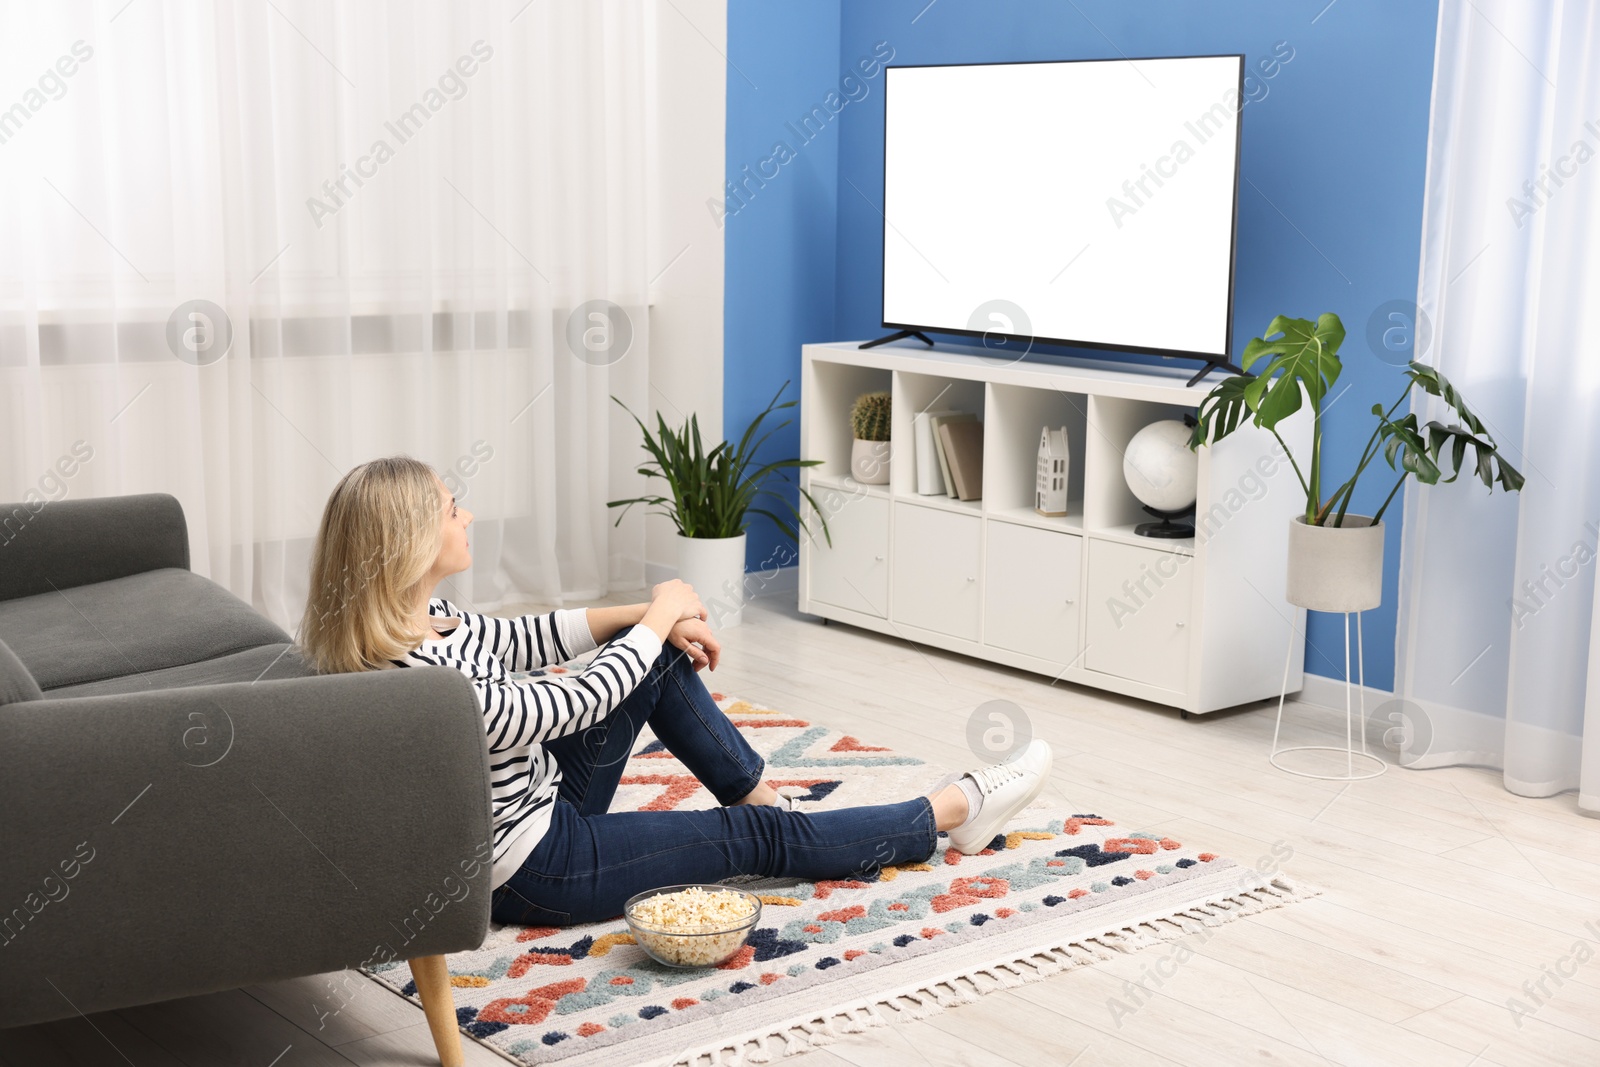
[1089, 203]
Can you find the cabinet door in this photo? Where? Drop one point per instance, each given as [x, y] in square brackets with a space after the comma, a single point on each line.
[1138, 614]
[852, 572]
[1030, 591]
[935, 570]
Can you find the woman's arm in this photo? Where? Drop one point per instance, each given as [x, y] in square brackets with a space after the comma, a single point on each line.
[670, 603]
[547, 707]
[606, 623]
[529, 642]
[533, 641]
[543, 708]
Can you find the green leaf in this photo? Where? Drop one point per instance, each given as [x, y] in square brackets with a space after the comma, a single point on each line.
[1406, 450]
[1298, 356]
[1221, 411]
[1294, 362]
[1431, 381]
[1444, 446]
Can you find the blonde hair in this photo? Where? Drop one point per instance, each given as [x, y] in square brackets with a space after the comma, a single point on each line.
[380, 534]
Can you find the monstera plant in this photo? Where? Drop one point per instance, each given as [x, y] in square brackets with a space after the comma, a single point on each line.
[1298, 365]
[1335, 558]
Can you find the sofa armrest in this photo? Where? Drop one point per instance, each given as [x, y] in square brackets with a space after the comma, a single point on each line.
[184, 841]
[60, 544]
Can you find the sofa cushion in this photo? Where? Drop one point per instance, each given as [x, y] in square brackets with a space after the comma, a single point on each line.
[265, 663]
[144, 622]
[60, 544]
[15, 682]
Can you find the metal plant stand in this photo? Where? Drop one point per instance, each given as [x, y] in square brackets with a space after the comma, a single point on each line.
[1352, 725]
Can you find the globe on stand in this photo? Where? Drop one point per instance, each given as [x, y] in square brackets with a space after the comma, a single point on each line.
[1162, 472]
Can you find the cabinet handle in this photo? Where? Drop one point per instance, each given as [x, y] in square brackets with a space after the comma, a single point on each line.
[1071, 601]
[1179, 624]
[972, 579]
[878, 558]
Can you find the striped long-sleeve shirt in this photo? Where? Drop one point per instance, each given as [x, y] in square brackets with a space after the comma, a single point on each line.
[521, 713]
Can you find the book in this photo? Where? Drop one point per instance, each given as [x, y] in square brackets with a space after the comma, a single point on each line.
[944, 463]
[930, 478]
[963, 449]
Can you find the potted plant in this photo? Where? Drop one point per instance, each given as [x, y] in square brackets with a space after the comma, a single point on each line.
[711, 495]
[869, 450]
[1335, 557]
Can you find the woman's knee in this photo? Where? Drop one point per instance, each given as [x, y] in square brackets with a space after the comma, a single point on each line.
[675, 659]
[676, 664]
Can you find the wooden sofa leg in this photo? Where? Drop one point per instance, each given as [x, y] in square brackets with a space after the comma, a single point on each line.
[438, 1004]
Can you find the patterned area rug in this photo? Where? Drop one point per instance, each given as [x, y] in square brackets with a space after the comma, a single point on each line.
[1060, 889]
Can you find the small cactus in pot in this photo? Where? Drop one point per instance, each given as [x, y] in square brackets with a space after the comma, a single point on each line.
[869, 452]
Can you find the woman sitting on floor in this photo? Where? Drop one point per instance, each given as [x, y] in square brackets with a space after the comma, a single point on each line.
[391, 531]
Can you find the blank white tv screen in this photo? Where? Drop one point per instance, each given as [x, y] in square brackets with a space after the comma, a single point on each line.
[1088, 202]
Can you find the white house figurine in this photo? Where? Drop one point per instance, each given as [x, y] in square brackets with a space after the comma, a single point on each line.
[1050, 476]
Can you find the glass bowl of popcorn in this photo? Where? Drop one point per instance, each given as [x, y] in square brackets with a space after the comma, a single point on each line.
[692, 925]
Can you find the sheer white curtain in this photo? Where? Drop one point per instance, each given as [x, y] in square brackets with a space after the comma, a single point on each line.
[403, 211]
[1497, 651]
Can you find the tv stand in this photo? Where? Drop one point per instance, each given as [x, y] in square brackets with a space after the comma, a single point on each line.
[1210, 366]
[899, 336]
[1197, 623]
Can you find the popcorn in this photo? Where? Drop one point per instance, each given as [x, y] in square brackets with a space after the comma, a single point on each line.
[693, 927]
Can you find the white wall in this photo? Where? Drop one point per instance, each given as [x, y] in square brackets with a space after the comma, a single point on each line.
[686, 295]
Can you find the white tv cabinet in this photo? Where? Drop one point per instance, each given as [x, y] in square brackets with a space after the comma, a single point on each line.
[1198, 624]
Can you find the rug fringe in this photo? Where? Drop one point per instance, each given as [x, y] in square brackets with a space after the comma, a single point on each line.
[935, 997]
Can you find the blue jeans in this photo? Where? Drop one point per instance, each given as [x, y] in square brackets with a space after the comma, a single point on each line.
[590, 862]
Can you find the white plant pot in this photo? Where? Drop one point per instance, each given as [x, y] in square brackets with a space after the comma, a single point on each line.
[715, 567]
[1336, 568]
[869, 461]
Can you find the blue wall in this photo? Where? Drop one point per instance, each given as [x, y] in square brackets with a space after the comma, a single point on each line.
[779, 232]
[1329, 212]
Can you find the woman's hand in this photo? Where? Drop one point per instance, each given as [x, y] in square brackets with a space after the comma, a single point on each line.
[694, 638]
[682, 596]
[671, 603]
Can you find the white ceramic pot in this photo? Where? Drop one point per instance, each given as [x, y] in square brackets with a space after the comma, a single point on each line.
[715, 567]
[1336, 568]
[869, 461]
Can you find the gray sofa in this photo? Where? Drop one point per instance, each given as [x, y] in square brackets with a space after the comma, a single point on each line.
[185, 807]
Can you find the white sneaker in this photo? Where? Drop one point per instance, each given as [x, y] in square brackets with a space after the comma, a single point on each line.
[1007, 788]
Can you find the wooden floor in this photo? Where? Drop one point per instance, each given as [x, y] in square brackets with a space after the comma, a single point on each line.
[1444, 897]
